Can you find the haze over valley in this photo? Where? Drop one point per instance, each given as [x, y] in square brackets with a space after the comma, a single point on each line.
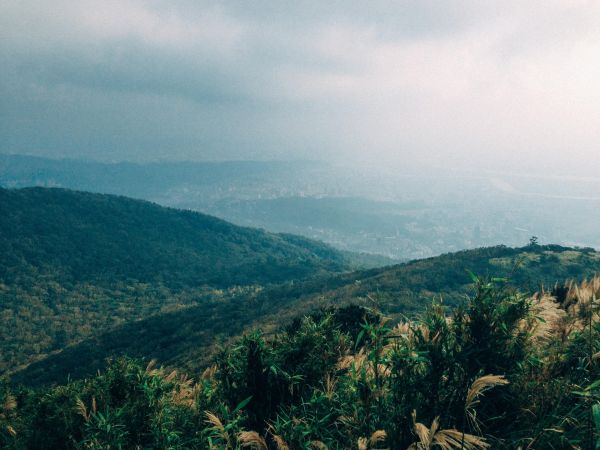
[414, 213]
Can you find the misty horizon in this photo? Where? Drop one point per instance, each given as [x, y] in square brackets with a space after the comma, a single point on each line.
[496, 86]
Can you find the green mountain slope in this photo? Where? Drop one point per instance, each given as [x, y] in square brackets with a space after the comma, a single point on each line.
[76, 264]
[90, 237]
[187, 338]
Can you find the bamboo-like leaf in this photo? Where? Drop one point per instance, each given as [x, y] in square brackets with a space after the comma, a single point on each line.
[242, 404]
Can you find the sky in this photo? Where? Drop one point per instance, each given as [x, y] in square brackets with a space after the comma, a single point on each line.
[495, 85]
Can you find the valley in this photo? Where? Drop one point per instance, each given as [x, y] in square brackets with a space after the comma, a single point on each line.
[415, 213]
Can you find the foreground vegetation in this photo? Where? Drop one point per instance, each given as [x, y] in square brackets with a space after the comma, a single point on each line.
[502, 370]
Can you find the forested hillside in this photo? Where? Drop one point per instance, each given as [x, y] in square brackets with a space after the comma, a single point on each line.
[83, 237]
[75, 264]
[187, 338]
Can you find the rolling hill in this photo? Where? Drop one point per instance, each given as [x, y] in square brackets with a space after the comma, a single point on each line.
[75, 264]
[87, 237]
[188, 337]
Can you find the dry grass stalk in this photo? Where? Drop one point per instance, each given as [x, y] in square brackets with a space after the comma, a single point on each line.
[453, 439]
[402, 329]
[330, 382]
[171, 376]
[362, 443]
[214, 421]
[450, 439]
[581, 305]
[347, 420]
[209, 372]
[184, 393]
[377, 437]
[352, 361]
[318, 445]
[252, 439]
[151, 366]
[359, 361]
[480, 385]
[549, 317]
[218, 425]
[280, 443]
[9, 404]
[82, 409]
[425, 434]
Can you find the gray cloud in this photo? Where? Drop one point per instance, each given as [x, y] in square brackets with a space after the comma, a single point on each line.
[510, 84]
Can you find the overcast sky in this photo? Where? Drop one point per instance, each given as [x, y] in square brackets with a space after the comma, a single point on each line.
[507, 84]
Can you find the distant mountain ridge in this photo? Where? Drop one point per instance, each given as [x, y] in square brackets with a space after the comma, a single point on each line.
[402, 215]
[149, 181]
